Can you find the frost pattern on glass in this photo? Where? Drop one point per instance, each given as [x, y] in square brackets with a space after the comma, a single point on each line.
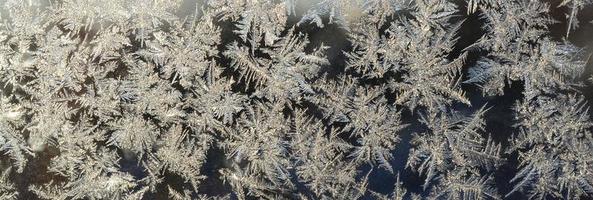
[294, 99]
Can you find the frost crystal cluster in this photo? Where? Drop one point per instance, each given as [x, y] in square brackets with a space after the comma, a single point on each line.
[295, 99]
